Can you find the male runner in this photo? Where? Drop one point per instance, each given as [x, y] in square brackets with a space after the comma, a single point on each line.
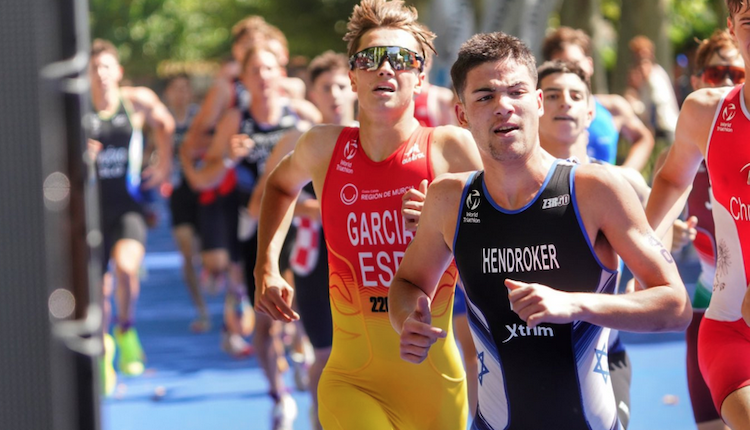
[613, 114]
[434, 106]
[116, 138]
[535, 240]
[183, 201]
[713, 126]
[241, 145]
[718, 63]
[360, 175]
[331, 92]
[562, 133]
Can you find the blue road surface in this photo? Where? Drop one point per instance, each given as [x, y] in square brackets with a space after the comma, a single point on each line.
[190, 384]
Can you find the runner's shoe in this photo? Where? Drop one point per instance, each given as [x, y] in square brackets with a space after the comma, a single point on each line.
[301, 374]
[130, 358]
[284, 413]
[109, 376]
[200, 325]
[235, 345]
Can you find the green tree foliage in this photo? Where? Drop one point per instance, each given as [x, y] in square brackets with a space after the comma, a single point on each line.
[149, 31]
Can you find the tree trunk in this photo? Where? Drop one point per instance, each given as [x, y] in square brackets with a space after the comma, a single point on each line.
[586, 15]
[721, 11]
[647, 18]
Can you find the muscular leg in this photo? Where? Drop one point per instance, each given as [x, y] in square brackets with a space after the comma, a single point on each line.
[266, 333]
[736, 409]
[712, 425]
[215, 261]
[184, 237]
[321, 358]
[128, 256]
[469, 353]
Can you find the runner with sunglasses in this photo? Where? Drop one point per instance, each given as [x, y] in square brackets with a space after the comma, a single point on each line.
[360, 175]
[719, 64]
[714, 126]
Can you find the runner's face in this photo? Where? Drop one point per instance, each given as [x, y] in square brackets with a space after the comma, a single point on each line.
[178, 93]
[105, 71]
[261, 75]
[574, 54]
[739, 26]
[501, 107]
[385, 88]
[567, 111]
[724, 57]
[332, 94]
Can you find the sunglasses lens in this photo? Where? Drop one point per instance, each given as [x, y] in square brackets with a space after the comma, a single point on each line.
[715, 75]
[737, 76]
[399, 58]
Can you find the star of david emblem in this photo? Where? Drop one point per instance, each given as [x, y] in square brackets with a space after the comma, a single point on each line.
[483, 370]
[601, 353]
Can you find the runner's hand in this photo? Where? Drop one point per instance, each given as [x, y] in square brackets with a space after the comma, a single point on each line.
[683, 232]
[240, 146]
[155, 175]
[273, 297]
[411, 205]
[537, 303]
[417, 333]
[94, 147]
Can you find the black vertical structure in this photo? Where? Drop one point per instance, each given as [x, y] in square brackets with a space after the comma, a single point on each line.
[49, 314]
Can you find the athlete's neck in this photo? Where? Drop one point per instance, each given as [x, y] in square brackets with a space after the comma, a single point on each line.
[266, 111]
[179, 113]
[565, 150]
[514, 183]
[380, 139]
[105, 102]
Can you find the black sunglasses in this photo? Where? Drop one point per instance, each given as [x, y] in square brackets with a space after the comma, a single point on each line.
[399, 58]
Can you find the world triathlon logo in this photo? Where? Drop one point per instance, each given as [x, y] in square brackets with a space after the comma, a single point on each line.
[473, 200]
[729, 112]
[350, 149]
[349, 194]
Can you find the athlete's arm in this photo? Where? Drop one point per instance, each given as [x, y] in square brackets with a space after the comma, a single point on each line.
[446, 103]
[632, 128]
[613, 221]
[306, 111]
[673, 181]
[216, 102]
[746, 307]
[284, 146]
[309, 160]
[216, 162]
[157, 117]
[424, 262]
[453, 150]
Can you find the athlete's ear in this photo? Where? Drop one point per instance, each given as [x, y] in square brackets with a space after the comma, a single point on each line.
[540, 101]
[730, 26]
[420, 79]
[353, 79]
[463, 121]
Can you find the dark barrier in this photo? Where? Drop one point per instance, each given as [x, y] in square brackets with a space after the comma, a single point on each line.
[48, 371]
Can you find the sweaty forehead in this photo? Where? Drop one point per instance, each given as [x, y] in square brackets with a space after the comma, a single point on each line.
[385, 36]
[726, 57]
[104, 58]
[499, 73]
[562, 81]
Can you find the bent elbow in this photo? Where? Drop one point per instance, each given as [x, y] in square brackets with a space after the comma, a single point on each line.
[681, 314]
